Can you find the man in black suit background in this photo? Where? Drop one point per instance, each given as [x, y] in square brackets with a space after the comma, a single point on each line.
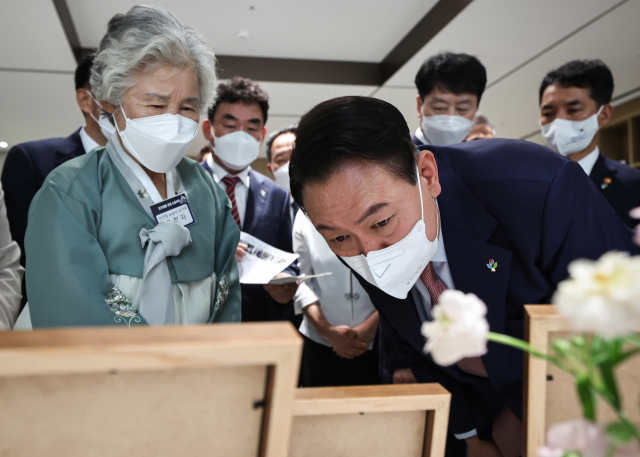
[575, 101]
[235, 128]
[28, 164]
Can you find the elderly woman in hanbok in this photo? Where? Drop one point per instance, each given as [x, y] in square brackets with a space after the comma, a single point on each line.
[134, 233]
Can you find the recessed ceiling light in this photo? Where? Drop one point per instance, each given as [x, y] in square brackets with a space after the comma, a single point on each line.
[3, 144]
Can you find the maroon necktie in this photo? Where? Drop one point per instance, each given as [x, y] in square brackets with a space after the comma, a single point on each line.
[230, 182]
[507, 428]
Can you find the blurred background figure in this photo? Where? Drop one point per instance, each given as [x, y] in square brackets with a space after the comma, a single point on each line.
[28, 164]
[575, 102]
[279, 147]
[482, 129]
[235, 128]
[450, 87]
[11, 272]
[203, 153]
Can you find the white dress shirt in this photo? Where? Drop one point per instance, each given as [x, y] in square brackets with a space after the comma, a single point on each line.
[241, 190]
[88, 143]
[588, 161]
[342, 299]
[420, 135]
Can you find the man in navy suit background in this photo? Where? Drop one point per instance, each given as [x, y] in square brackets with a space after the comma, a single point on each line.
[575, 101]
[28, 164]
[368, 190]
[450, 87]
[235, 128]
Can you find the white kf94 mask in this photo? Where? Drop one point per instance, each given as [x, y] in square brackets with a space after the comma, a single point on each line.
[443, 130]
[158, 142]
[568, 137]
[237, 150]
[282, 177]
[395, 269]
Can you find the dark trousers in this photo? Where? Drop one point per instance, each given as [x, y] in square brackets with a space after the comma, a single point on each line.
[321, 367]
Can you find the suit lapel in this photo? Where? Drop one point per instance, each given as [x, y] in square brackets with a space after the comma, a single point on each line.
[466, 227]
[70, 149]
[600, 172]
[256, 203]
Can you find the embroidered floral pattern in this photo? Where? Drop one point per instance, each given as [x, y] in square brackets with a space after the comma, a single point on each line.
[223, 293]
[119, 304]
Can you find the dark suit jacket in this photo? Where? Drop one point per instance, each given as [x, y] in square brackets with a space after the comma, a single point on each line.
[268, 218]
[25, 169]
[531, 210]
[623, 192]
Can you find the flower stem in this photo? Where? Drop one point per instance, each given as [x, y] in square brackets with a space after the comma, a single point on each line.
[519, 344]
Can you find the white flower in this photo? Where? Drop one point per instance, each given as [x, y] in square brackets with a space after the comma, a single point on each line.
[602, 296]
[459, 328]
[576, 435]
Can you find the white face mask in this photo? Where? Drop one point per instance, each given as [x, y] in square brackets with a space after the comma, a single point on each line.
[282, 177]
[443, 130]
[158, 142]
[568, 137]
[106, 127]
[395, 269]
[237, 150]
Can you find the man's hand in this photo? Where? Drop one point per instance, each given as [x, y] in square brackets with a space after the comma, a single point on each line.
[404, 376]
[368, 329]
[281, 294]
[344, 341]
[479, 448]
[241, 251]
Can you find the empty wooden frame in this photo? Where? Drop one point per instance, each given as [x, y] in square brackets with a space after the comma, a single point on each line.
[549, 393]
[217, 390]
[408, 420]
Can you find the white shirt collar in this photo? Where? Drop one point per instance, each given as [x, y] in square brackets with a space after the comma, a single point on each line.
[588, 161]
[88, 143]
[420, 135]
[219, 172]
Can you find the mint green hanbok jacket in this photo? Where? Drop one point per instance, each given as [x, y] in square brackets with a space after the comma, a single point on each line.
[83, 239]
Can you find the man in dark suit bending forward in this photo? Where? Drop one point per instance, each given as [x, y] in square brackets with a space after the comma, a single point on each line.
[413, 221]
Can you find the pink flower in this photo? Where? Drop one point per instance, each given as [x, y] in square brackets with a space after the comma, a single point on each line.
[577, 435]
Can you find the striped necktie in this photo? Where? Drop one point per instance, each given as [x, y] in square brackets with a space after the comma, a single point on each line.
[507, 428]
[230, 182]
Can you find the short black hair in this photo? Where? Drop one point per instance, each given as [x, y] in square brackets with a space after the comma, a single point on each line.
[83, 72]
[456, 73]
[585, 74]
[347, 129]
[240, 90]
[276, 134]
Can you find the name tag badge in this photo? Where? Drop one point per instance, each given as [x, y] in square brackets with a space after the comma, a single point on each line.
[174, 209]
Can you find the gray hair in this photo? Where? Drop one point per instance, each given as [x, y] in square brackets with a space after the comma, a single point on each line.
[144, 37]
[481, 119]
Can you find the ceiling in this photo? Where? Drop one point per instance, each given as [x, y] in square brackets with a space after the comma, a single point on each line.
[518, 42]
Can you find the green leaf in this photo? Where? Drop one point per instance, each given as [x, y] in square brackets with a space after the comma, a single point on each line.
[572, 453]
[625, 355]
[632, 339]
[561, 347]
[587, 398]
[620, 432]
[578, 341]
[609, 379]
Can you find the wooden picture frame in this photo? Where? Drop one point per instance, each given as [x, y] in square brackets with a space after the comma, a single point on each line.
[370, 421]
[549, 393]
[224, 389]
